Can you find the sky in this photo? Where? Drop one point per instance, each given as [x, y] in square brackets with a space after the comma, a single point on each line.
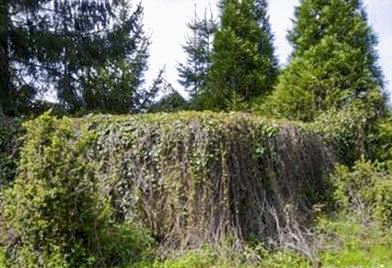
[165, 21]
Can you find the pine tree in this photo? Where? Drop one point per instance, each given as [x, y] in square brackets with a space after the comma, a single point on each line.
[243, 62]
[14, 38]
[193, 75]
[333, 63]
[93, 33]
[57, 45]
[117, 86]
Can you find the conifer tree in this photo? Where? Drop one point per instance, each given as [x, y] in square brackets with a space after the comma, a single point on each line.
[193, 75]
[59, 44]
[333, 63]
[243, 62]
[14, 51]
[117, 85]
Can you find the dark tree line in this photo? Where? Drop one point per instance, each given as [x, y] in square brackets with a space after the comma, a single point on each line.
[92, 54]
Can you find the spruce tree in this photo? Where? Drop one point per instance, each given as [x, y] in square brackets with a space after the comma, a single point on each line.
[57, 45]
[333, 64]
[14, 51]
[117, 85]
[193, 75]
[243, 62]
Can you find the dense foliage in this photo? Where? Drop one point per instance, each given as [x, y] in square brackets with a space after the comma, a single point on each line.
[243, 63]
[190, 178]
[11, 140]
[230, 188]
[90, 54]
[366, 190]
[333, 63]
[54, 214]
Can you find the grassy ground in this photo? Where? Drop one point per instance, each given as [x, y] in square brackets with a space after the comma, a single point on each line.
[350, 244]
[2, 265]
[342, 242]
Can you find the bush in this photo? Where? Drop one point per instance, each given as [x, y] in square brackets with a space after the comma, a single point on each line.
[191, 178]
[54, 214]
[365, 190]
[380, 141]
[347, 129]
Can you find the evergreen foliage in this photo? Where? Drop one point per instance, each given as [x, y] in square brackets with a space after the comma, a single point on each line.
[62, 46]
[333, 63]
[117, 85]
[194, 74]
[16, 47]
[243, 60]
[172, 101]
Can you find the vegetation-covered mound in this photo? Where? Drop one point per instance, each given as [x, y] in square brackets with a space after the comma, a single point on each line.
[190, 178]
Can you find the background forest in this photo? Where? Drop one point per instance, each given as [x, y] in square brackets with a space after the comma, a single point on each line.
[259, 167]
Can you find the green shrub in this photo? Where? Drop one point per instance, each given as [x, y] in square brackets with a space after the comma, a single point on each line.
[2, 261]
[191, 178]
[54, 214]
[380, 141]
[347, 130]
[365, 190]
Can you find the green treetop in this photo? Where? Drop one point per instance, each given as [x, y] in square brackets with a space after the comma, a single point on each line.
[243, 61]
[193, 75]
[334, 61]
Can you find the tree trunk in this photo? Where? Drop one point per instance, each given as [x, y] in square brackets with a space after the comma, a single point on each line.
[5, 68]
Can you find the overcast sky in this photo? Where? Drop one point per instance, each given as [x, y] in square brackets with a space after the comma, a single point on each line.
[165, 21]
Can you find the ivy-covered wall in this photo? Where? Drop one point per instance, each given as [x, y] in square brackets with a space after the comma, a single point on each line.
[193, 177]
[190, 178]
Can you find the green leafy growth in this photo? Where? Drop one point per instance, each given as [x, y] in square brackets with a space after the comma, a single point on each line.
[190, 178]
[201, 175]
[54, 214]
[334, 62]
[347, 129]
[347, 241]
[366, 190]
[243, 60]
[380, 142]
